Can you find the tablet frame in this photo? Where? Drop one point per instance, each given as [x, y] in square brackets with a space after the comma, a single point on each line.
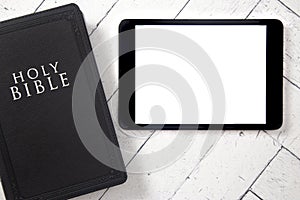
[274, 73]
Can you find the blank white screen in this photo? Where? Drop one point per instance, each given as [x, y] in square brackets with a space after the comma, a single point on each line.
[239, 54]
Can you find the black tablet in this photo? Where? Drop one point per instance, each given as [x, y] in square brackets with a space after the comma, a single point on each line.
[200, 74]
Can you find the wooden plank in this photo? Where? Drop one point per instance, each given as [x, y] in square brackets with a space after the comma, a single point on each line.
[93, 10]
[281, 179]
[13, 8]
[226, 172]
[160, 183]
[230, 168]
[250, 196]
[274, 9]
[293, 5]
[216, 9]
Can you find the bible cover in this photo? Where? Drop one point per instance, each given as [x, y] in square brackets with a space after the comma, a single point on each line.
[42, 156]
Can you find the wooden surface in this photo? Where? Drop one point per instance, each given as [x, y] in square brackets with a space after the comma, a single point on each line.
[248, 165]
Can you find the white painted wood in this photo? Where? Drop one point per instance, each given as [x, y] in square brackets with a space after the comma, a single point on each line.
[281, 179]
[274, 9]
[231, 167]
[293, 5]
[250, 196]
[226, 172]
[216, 9]
[160, 184]
[93, 10]
[13, 8]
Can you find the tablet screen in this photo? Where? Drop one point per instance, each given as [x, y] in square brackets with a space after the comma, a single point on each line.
[239, 56]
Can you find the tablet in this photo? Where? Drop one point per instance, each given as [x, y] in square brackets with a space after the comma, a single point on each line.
[200, 74]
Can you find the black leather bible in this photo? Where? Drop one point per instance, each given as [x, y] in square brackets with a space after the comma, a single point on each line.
[42, 154]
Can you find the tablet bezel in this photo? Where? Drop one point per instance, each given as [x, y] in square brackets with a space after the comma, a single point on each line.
[274, 73]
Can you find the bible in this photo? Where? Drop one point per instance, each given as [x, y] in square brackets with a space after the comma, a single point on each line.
[45, 150]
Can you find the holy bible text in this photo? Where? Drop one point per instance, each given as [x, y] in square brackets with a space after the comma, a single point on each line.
[37, 80]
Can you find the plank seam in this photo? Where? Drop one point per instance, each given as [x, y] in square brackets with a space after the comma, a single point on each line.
[101, 20]
[285, 148]
[288, 8]
[111, 96]
[291, 82]
[182, 9]
[103, 193]
[39, 6]
[140, 148]
[263, 170]
[253, 9]
[256, 195]
[197, 164]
